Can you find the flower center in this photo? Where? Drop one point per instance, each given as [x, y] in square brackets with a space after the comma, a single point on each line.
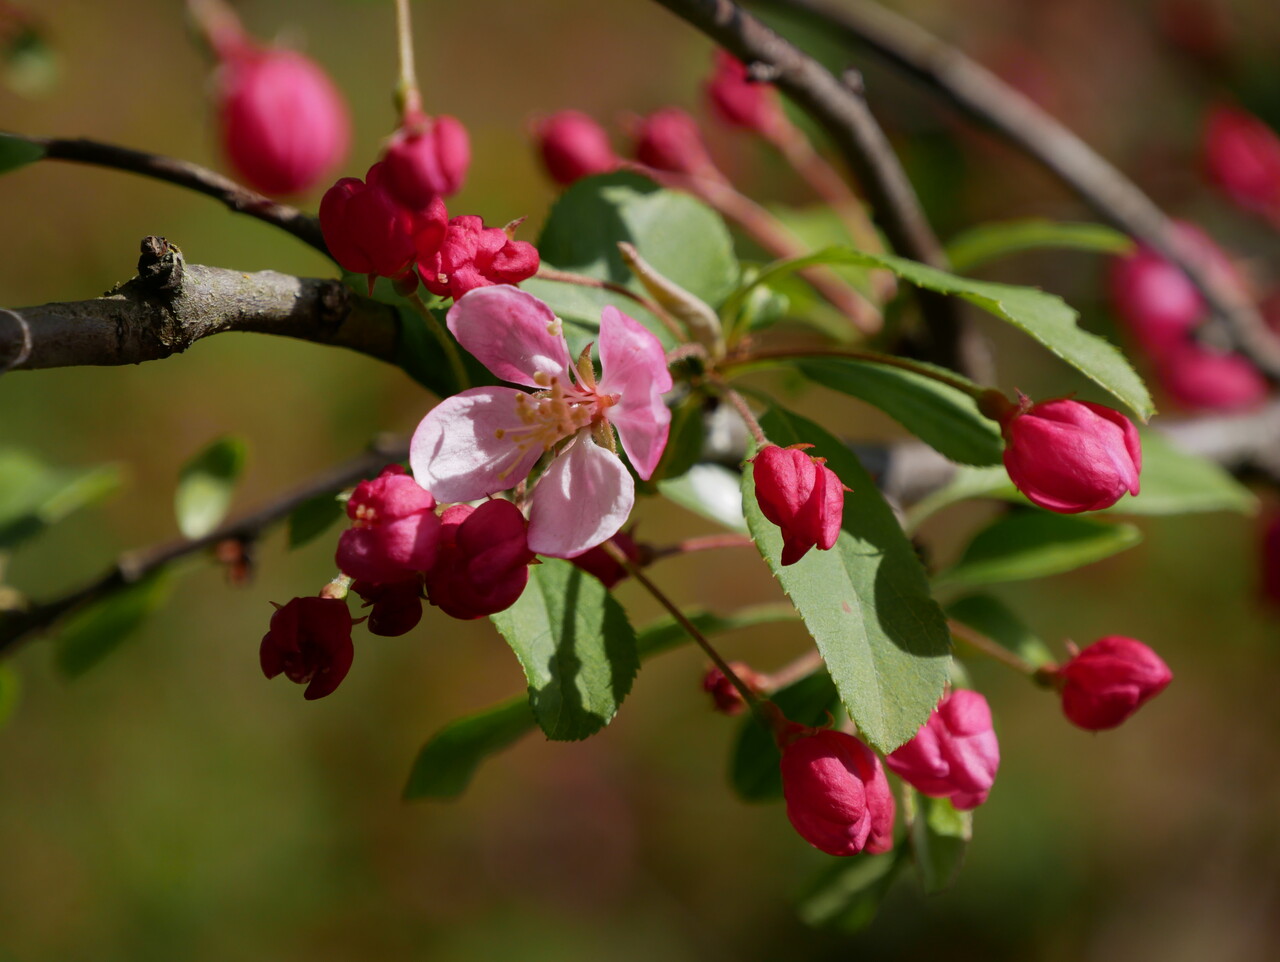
[559, 411]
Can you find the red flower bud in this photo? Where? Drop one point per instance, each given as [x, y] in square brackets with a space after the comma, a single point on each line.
[427, 157]
[596, 561]
[837, 796]
[728, 700]
[1242, 156]
[738, 100]
[310, 641]
[1109, 680]
[483, 565]
[466, 255]
[802, 496]
[1071, 456]
[397, 605]
[1202, 379]
[574, 146]
[396, 529]
[669, 139]
[284, 125]
[955, 754]
[366, 230]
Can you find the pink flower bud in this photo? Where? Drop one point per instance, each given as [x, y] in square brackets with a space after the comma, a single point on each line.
[1109, 680]
[669, 139]
[574, 146]
[284, 125]
[596, 561]
[1202, 379]
[397, 605]
[801, 495]
[838, 798]
[955, 754]
[396, 530]
[366, 230]
[427, 157]
[310, 641]
[1242, 156]
[466, 255]
[484, 559]
[728, 700]
[1071, 456]
[739, 101]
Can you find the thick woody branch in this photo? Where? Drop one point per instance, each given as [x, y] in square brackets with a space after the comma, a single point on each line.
[171, 305]
[980, 94]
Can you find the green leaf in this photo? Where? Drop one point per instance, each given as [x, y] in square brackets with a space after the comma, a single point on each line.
[866, 601]
[98, 629]
[17, 152]
[10, 693]
[942, 416]
[1046, 317]
[846, 895]
[576, 646]
[447, 762]
[313, 518]
[989, 242]
[1176, 482]
[940, 836]
[34, 496]
[753, 765]
[1034, 544]
[991, 617]
[206, 485]
[710, 490]
[968, 482]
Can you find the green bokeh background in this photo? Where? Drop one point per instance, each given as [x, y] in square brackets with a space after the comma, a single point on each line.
[172, 804]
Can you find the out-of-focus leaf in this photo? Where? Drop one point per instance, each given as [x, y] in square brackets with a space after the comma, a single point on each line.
[684, 442]
[940, 836]
[710, 490]
[1034, 544]
[98, 629]
[31, 66]
[989, 242]
[313, 518]
[34, 496]
[753, 766]
[206, 485]
[847, 893]
[17, 152]
[968, 482]
[991, 617]
[1176, 482]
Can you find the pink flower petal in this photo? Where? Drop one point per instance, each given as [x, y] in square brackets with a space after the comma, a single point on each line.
[457, 452]
[634, 367]
[583, 498]
[512, 333]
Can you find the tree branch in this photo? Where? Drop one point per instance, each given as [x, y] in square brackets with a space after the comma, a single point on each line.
[171, 305]
[981, 95]
[235, 196]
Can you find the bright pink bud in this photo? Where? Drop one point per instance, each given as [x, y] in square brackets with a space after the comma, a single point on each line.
[955, 754]
[669, 139]
[574, 146]
[427, 157]
[596, 561]
[396, 530]
[397, 605]
[467, 255]
[1201, 379]
[1110, 680]
[838, 798]
[284, 124]
[484, 559]
[310, 641]
[1242, 156]
[1071, 456]
[366, 230]
[738, 100]
[728, 700]
[802, 496]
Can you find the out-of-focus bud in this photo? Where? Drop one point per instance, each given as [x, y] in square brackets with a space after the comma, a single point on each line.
[669, 139]
[483, 564]
[397, 605]
[728, 700]
[574, 146]
[1202, 379]
[466, 255]
[1071, 456]
[1242, 156]
[596, 561]
[309, 640]
[739, 101]
[396, 530]
[955, 754]
[837, 796]
[801, 495]
[1109, 680]
[427, 157]
[366, 230]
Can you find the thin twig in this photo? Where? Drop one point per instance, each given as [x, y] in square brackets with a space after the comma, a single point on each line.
[709, 542]
[408, 97]
[980, 642]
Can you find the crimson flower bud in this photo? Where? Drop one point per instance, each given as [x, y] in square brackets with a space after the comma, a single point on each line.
[728, 700]
[310, 641]
[365, 228]
[801, 495]
[669, 139]
[955, 753]
[1071, 456]
[483, 565]
[574, 146]
[427, 157]
[739, 101]
[596, 561]
[283, 123]
[1109, 680]
[396, 530]
[1242, 156]
[397, 605]
[837, 796]
[465, 255]
[1202, 379]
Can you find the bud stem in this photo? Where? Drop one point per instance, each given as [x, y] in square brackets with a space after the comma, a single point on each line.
[456, 367]
[708, 542]
[408, 99]
[980, 642]
[740, 405]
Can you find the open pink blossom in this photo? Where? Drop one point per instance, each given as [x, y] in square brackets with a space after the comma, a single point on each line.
[488, 439]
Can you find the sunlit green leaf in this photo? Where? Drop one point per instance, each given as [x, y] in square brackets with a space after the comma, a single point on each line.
[207, 484]
[988, 242]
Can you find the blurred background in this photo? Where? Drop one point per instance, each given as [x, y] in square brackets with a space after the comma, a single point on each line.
[172, 804]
